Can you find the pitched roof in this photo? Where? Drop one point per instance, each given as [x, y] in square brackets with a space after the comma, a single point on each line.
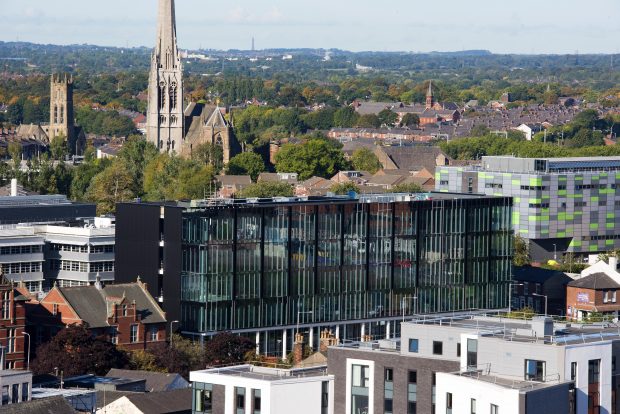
[105, 397]
[406, 157]
[91, 304]
[595, 281]
[170, 402]
[155, 381]
[226, 180]
[52, 405]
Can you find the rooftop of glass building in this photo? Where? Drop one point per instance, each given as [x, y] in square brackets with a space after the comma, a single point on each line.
[547, 165]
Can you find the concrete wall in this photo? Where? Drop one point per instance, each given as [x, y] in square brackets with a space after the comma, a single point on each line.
[425, 367]
[463, 389]
[426, 335]
[582, 353]
[299, 398]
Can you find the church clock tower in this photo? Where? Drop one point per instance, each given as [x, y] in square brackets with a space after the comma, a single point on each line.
[165, 104]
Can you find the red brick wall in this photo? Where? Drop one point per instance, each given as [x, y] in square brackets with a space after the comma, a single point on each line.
[16, 321]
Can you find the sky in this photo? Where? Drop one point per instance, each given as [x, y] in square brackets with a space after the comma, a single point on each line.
[501, 26]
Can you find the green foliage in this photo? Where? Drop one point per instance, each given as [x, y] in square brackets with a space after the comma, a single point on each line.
[83, 175]
[314, 157]
[368, 121]
[111, 186]
[364, 159]
[246, 163]
[410, 120]
[344, 188]
[58, 147]
[525, 313]
[104, 122]
[409, 188]
[321, 119]
[210, 154]
[169, 177]
[136, 154]
[266, 189]
[345, 117]
[521, 252]
[252, 122]
[388, 118]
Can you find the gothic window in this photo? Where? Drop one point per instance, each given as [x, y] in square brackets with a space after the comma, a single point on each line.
[55, 114]
[62, 114]
[162, 95]
[173, 95]
[162, 120]
[218, 141]
[173, 120]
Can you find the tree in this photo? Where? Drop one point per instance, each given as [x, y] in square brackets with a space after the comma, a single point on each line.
[58, 147]
[368, 121]
[246, 163]
[111, 186]
[364, 159]
[135, 155]
[15, 151]
[226, 348]
[345, 117]
[388, 117]
[74, 351]
[522, 253]
[410, 188]
[266, 189]
[314, 157]
[479, 131]
[83, 175]
[344, 188]
[410, 120]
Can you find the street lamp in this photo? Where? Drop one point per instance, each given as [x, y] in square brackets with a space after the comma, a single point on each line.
[28, 360]
[402, 303]
[555, 252]
[171, 323]
[510, 295]
[542, 296]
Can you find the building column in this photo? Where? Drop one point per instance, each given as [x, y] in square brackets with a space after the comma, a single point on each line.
[284, 345]
[387, 330]
[338, 332]
[311, 338]
[257, 340]
[266, 347]
[363, 332]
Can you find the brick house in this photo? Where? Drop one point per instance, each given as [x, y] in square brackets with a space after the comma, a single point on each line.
[125, 314]
[595, 291]
[12, 325]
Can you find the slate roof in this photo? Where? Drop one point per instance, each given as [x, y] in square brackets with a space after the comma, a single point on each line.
[91, 304]
[170, 402]
[234, 180]
[406, 157]
[595, 281]
[53, 405]
[155, 381]
[108, 397]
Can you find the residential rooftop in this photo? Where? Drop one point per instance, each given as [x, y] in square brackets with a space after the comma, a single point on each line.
[508, 382]
[267, 373]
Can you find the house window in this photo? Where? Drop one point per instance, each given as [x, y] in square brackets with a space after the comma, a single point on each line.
[154, 333]
[448, 403]
[256, 401]
[472, 406]
[534, 370]
[203, 398]
[133, 338]
[6, 306]
[5, 395]
[412, 392]
[124, 310]
[472, 353]
[413, 345]
[437, 348]
[594, 368]
[388, 391]
[15, 393]
[11, 333]
[25, 391]
[573, 371]
[324, 397]
[494, 409]
[55, 309]
[114, 335]
[240, 400]
[458, 349]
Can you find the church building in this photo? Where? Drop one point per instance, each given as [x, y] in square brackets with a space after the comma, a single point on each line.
[169, 127]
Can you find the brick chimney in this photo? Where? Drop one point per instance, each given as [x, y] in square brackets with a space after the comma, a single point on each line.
[327, 339]
[298, 349]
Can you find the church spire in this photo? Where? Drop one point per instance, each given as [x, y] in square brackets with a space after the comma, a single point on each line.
[430, 99]
[165, 109]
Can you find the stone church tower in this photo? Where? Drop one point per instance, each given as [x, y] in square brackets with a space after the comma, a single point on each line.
[430, 98]
[165, 104]
[61, 109]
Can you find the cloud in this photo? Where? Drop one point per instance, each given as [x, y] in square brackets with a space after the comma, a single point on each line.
[242, 15]
[33, 13]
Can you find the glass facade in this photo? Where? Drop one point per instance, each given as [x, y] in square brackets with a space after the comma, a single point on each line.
[250, 266]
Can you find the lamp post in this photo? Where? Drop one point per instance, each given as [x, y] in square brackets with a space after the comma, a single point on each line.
[402, 303]
[28, 360]
[510, 295]
[555, 252]
[171, 337]
[542, 296]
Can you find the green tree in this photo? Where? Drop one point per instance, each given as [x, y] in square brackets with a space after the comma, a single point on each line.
[368, 121]
[479, 131]
[15, 151]
[410, 120]
[364, 159]
[314, 157]
[521, 252]
[410, 188]
[111, 186]
[345, 117]
[210, 154]
[246, 163]
[135, 155]
[344, 188]
[83, 175]
[58, 147]
[388, 117]
[266, 189]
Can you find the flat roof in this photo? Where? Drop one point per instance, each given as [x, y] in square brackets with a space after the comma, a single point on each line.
[267, 373]
[509, 383]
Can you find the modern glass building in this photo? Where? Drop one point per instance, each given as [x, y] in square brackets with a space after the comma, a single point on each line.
[561, 205]
[356, 266]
